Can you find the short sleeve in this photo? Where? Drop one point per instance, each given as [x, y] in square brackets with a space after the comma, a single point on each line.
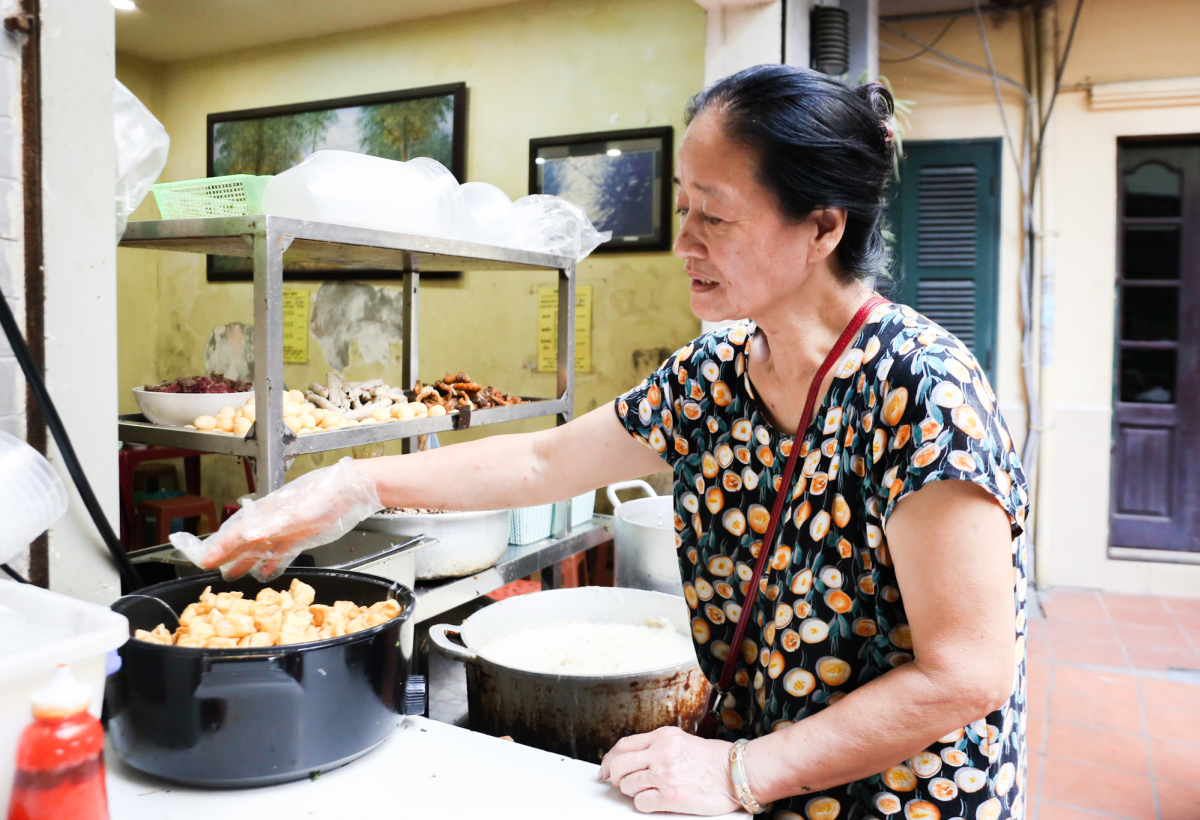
[648, 411]
[935, 418]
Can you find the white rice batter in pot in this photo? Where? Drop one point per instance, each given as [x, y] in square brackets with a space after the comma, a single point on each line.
[582, 648]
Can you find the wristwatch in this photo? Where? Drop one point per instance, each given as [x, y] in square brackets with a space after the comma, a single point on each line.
[737, 773]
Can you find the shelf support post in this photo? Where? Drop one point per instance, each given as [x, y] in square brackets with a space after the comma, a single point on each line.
[270, 432]
[566, 375]
[410, 336]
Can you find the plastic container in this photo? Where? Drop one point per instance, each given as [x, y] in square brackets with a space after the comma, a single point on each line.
[39, 630]
[583, 507]
[418, 197]
[491, 218]
[529, 524]
[32, 496]
[234, 195]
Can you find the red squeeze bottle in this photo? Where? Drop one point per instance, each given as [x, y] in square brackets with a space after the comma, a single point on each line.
[60, 757]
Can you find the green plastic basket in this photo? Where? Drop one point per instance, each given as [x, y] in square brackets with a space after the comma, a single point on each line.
[235, 195]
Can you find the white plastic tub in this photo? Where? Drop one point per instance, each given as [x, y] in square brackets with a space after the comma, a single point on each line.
[40, 629]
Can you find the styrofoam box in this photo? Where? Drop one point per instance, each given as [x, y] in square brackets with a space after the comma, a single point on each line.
[40, 629]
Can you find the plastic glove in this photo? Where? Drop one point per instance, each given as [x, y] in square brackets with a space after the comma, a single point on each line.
[265, 536]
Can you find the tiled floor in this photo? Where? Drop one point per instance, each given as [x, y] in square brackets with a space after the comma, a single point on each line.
[1114, 714]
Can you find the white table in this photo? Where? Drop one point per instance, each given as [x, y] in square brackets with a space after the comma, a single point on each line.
[425, 770]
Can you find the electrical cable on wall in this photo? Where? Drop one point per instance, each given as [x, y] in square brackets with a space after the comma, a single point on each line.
[1058, 75]
[1029, 452]
[926, 49]
[1028, 178]
[129, 573]
[16, 576]
[1004, 78]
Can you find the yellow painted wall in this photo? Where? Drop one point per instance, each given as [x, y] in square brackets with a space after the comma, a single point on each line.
[536, 69]
[1116, 40]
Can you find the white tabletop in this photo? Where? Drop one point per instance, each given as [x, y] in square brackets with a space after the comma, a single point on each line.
[425, 770]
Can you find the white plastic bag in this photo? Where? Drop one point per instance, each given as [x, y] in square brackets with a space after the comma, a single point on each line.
[142, 146]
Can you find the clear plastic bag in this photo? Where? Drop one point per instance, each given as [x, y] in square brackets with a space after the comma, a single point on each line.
[550, 224]
[142, 146]
[265, 536]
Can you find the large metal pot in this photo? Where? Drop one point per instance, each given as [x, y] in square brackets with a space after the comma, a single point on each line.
[644, 554]
[252, 717]
[467, 542]
[576, 715]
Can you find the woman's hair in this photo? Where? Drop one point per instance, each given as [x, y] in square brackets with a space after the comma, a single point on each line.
[820, 143]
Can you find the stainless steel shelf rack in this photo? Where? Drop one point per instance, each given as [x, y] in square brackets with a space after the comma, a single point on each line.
[267, 240]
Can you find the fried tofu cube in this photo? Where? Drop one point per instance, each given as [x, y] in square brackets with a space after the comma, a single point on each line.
[235, 626]
[154, 636]
[302, 593]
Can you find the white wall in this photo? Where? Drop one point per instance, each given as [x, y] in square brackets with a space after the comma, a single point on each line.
[79, 172]
[12, 248]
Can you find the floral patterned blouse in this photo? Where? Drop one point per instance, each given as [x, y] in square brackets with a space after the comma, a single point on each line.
[908, 405]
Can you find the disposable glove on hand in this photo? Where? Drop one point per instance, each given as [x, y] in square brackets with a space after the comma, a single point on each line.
[265, 536]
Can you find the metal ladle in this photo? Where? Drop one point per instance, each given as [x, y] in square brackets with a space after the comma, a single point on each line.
[146, 612]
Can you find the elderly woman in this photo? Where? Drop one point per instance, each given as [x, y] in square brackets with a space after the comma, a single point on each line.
[881, 669]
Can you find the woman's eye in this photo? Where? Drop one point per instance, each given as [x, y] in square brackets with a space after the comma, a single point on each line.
[683, 212]
[712, 220]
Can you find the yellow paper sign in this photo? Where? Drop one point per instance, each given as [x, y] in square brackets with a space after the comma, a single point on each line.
[295, 326]
[548, 329]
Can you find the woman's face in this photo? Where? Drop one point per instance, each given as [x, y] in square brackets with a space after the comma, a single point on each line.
[743, 257]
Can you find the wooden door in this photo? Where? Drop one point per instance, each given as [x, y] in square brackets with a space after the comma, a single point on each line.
[1156, 403]
[945, 218]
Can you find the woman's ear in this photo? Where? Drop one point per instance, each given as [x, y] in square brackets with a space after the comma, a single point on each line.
[830, 224]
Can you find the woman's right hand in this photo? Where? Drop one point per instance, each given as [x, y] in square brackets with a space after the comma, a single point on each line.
[266, 535]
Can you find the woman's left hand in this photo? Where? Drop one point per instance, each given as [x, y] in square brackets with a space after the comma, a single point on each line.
[670, 770]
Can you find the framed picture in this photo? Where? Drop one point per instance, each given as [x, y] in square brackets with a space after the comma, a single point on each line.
[621, 178]
[402, 125]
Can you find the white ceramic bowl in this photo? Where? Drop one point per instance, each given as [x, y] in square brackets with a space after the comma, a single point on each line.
[179, 409]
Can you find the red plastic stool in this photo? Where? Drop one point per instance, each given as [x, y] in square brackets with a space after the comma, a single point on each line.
[166, 510]
[520, 587]
[576, 572]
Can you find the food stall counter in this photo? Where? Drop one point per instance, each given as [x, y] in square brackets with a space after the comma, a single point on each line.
[425, 769]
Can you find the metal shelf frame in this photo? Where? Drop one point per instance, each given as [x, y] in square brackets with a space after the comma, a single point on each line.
[266, 240]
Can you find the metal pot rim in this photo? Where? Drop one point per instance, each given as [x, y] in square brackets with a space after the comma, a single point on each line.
[439, 516]
[403, 594]
[624, 677]
[619, 677]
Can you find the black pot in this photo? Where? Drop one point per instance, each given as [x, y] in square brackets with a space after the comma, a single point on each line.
[252, 717]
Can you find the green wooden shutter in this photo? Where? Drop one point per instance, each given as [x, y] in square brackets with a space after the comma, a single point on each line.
[945, 216]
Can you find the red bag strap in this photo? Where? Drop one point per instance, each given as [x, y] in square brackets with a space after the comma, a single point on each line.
[708, 724]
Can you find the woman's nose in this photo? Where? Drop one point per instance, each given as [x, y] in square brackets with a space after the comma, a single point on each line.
[687, 244]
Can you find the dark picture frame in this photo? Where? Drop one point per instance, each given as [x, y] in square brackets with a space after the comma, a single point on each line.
[270, 140]
[623, 179]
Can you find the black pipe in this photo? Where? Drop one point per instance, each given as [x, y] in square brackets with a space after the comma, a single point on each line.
[129, 574]
[16, 576]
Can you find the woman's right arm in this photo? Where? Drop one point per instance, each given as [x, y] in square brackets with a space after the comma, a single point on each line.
[497, 472]
[522, 470]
